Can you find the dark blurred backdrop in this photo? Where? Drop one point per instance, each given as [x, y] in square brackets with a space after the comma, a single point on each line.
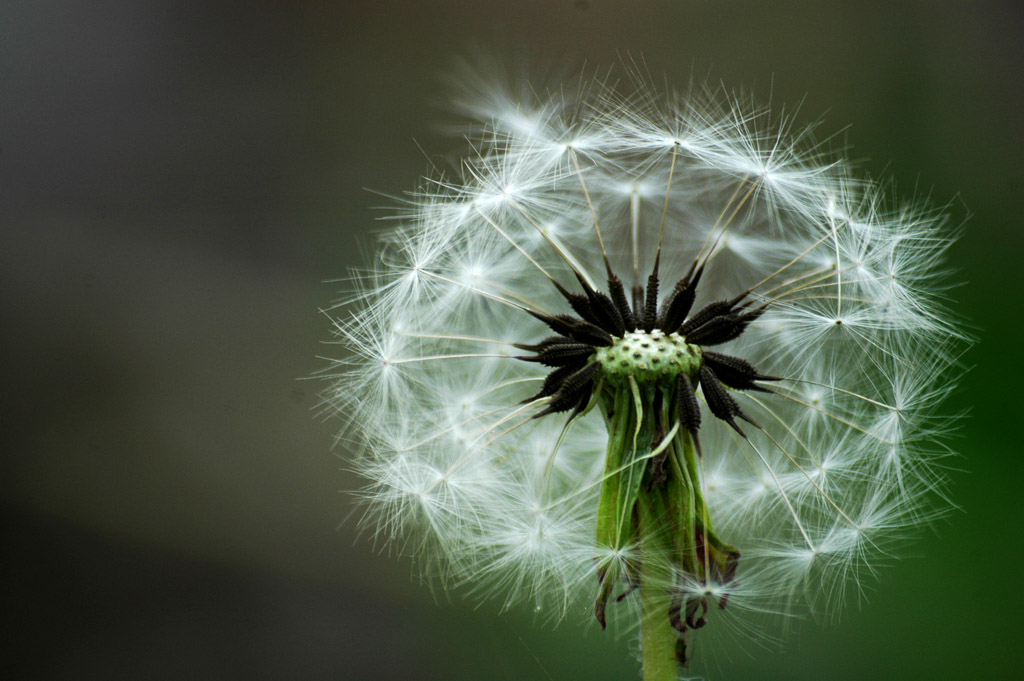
[177, 181]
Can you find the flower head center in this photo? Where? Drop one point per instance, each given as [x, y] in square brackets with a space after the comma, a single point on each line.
[648, 356]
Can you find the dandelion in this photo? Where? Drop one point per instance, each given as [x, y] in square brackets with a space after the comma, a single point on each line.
[663, 355]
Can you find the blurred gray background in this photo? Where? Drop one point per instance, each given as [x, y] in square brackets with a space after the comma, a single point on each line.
[177, 181]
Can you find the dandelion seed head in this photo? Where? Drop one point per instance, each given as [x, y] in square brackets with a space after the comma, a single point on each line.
[799, 337]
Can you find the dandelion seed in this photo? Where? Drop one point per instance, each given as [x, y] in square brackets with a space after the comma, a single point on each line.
[667, 358]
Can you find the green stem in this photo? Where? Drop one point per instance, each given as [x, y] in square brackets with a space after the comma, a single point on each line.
[657, 636]
[651, 499]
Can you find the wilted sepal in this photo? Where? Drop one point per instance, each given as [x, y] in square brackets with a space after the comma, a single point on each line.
[574, 391]
[721, 403]
[678, 304]
[688, 408]
[736, 373]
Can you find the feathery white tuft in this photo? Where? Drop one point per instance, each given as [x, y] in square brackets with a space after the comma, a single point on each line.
[432, 399]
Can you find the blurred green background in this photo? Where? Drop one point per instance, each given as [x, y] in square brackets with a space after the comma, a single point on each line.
[177, 181]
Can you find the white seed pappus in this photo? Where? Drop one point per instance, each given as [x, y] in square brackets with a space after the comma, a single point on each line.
[844, 457]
